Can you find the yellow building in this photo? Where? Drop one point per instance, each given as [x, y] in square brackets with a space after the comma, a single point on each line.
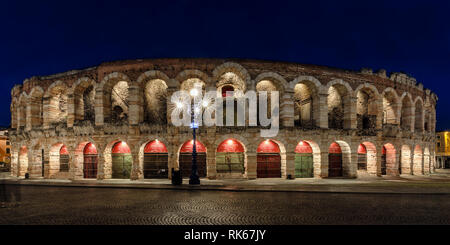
[443, 149]
[5, 150]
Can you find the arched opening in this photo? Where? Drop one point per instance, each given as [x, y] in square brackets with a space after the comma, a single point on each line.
[226, 90]
[389, 160]
[185, 158]
[418, 123]
[390, 108]
[156, 160]
[232, 83]
[90, 161]
[417, 160]
[122, 161]
[338, 101]
[407, 114]
[335, 160]
[36, 108]
[304, 105]
[119, 101]
[57, 105]
[230, 159]
[63, 159]
[23, 161]
[267, 86]
[362, 157]
[155, 101]
[366, 111]
[304, 166]
[268, 160]
[84, 99]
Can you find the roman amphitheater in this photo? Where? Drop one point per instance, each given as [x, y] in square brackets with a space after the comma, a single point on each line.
[113, 121]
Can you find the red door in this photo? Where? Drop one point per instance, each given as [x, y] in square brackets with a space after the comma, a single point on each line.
[268, 165]
[334, 161]
[90, 161]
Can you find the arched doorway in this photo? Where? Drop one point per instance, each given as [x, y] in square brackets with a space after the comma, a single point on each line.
[362, 157]
[388, 160]
[90, 161]
[121, 161]
[268, 160]
[383, 161]
[334, 160]
[417, 160]
[185, 158]
[155, 160]
[230, 158]
[304, 167]
[23, 161]
[63, 159]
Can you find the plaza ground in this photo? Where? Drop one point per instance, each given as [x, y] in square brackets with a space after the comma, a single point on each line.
[412, 200]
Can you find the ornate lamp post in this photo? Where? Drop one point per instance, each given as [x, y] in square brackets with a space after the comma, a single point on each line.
[195, 109]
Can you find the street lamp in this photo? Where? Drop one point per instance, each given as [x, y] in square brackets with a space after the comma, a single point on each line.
[195, 110]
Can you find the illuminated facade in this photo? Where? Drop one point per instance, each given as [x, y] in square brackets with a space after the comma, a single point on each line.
[5, 150]
[113, 121]
[443, 149]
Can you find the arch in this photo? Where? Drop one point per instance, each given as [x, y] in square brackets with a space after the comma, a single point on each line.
[58, 161]
[56, 103]
[391, 107]
[268, 159]
[36, 106]
[188, 74]
[339, 104]
[185, 158]
[153, 159]
[407, 112]
[306, 101]
[418, 115]
[389, 160]
[418, 160]
[231, 159]
[367, 108]
[121, 160]
[154, 101]
[22, 110]
[367, 158]
[339, 159]
[235, 68]
[304, 160]
[113, 92]
[276, 78]
[86, 160]
[83, 91]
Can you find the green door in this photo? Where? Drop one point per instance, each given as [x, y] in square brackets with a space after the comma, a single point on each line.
[304, 165]
[121, 165]
[230, 162]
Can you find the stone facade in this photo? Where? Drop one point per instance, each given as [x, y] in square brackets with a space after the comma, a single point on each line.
[130, 101]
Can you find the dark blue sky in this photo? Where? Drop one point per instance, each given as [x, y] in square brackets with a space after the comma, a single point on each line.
[42, 37]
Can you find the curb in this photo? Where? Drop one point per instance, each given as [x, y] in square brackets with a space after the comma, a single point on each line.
[230, 188]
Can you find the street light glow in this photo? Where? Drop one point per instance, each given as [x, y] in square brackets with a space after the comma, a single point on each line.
[179, 105]
[194, 92]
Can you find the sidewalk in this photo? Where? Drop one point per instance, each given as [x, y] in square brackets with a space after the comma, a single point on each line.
[437, 183]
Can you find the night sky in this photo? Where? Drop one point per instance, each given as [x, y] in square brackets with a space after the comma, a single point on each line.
[42, 37]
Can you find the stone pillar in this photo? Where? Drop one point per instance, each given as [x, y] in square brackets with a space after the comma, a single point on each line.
[28, 117]
[211, 171]
[14, 160]
[379, 105]
[47, 163]
[251, 165]
[350, 120]
[99, 116]
[287, 109]
[322, 111]
[46, 113]
[349, 169]
[290, 164]
[70, 110]
[378, 157]
[171, 157]
[134, 104]
[137, 171]
[323, 164]
[101, 171]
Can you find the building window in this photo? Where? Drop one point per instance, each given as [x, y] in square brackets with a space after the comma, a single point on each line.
[8, 150]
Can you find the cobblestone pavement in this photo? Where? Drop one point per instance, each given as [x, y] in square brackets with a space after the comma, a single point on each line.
[77, 205]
